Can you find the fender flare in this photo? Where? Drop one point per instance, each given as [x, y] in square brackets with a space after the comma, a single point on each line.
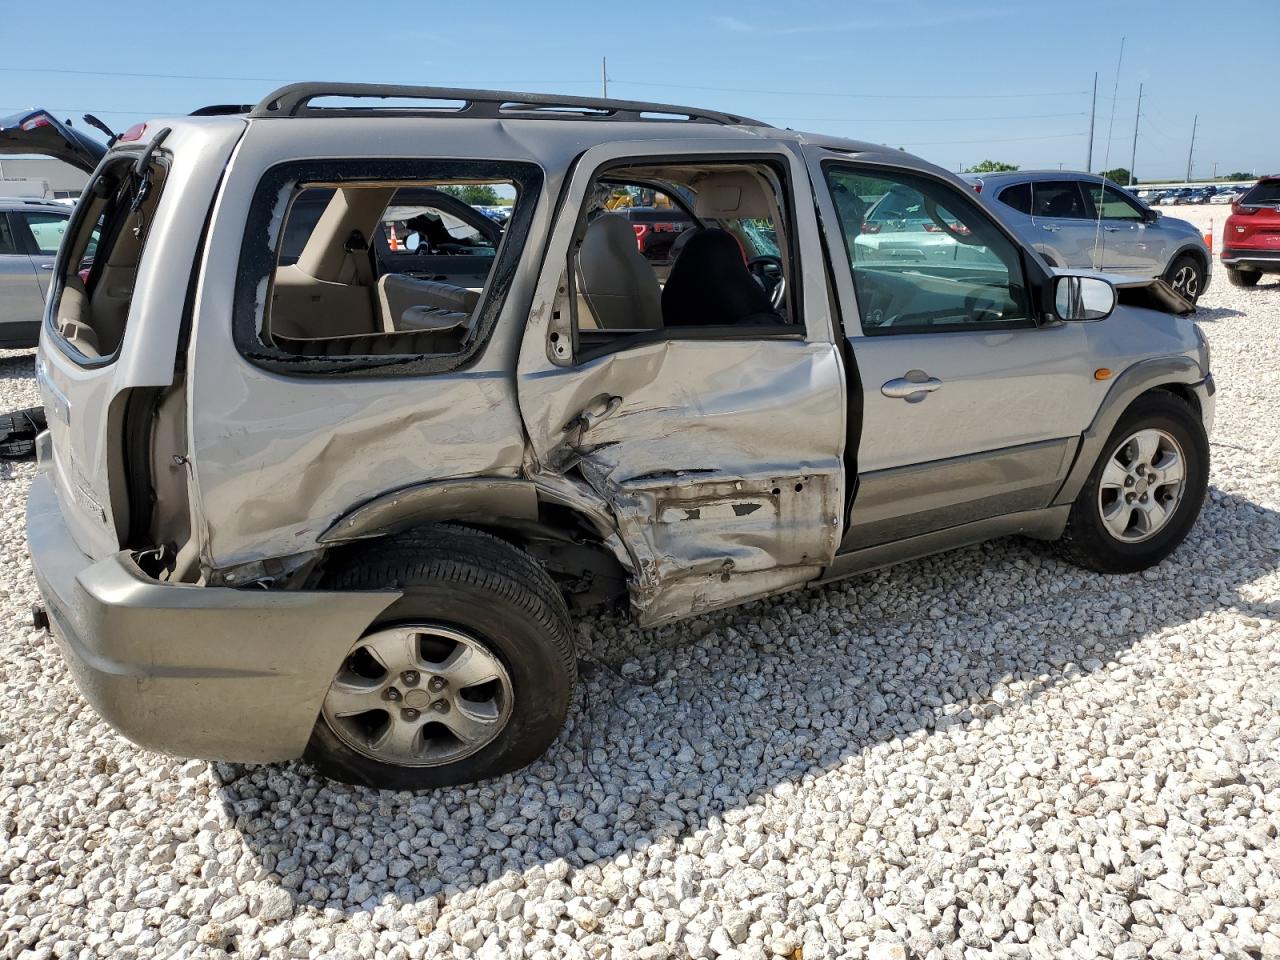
[481, 500]
[1136, 380]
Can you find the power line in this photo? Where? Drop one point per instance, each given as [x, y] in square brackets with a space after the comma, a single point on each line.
[857, 96]
[943, 143]
[634, 83]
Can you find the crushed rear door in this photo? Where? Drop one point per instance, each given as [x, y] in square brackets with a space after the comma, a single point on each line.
[129, 286]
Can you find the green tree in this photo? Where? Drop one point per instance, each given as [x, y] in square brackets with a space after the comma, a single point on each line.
[1119, 175]
[476, 194]
[993, 166]
[1237, 176]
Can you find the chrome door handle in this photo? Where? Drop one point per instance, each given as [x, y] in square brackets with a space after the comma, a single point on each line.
[46, 266]
[913, 387]
[1113, 229]
[1051, 227]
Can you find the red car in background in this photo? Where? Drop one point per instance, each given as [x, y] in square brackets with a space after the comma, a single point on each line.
[1251, 239]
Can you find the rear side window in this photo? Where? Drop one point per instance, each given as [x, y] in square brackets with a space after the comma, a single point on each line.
[8, 245]
[98, 268]
[47, 229]
[387, 267]
[1018, 196]
[1058, 200]
[1266, 192]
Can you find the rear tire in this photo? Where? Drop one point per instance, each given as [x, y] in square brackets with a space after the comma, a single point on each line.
[1243, 278]
[470, 599]
[1186, 275]
[1112, 528]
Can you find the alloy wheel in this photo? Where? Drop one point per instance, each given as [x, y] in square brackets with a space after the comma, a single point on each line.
[1141, 485]
[419, 695]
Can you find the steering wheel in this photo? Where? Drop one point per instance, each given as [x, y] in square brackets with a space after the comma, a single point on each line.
[767, 271]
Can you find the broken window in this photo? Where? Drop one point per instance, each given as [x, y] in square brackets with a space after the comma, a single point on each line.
[397, 266]
[682, 249]
[105, 240]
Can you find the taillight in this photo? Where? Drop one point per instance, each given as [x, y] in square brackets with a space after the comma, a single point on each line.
[84, 275]
[977, 187]
[1236, 208]
[932, 228]
[871, 228]
[133, 133]
[959, 228]
[641, 229]
[39, 120]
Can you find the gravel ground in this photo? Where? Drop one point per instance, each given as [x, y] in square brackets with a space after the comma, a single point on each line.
[988, 753]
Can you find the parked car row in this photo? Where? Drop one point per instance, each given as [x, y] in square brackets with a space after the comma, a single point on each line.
[1188, 196]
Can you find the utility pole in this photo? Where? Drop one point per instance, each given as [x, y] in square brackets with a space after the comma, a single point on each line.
[1093, 110]
[604, 76]
[1215, 169]
[1190, 153]
[1133, 157]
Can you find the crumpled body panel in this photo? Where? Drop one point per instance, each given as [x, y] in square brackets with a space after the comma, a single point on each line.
[720, 460]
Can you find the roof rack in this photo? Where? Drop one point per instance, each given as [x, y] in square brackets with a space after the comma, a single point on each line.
[295, 99]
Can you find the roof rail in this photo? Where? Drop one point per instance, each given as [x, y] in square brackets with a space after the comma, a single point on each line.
[295, 99]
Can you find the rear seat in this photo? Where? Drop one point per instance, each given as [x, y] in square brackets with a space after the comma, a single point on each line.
[430, 304]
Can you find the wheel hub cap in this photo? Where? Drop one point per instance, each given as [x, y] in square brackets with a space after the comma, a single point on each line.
[1141, 485]
[419, 695]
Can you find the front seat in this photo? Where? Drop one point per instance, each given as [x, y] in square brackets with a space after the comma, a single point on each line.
[616, 280]
[710, 285]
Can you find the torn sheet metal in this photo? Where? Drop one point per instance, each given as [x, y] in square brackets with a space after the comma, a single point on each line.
[720, 461]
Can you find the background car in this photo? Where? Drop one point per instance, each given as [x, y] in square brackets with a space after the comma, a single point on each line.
[1080, 221]
[30, 231]
[1251, 237]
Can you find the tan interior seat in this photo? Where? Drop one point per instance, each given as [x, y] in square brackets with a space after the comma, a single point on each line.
[407, 302]
[616, 280]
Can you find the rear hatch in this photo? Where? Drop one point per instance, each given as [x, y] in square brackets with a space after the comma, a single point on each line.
[112, 332]
[1254, 223]
[40, 133]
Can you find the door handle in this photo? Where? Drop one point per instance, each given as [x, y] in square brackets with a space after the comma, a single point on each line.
[1051, 227]
[913, 387]
[603, 407]
[46, 266]
[1113, 229]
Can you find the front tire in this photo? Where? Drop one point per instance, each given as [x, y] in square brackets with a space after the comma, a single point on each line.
[1243, 278]
[1186, 275]
[467, 676]
[1145, 491]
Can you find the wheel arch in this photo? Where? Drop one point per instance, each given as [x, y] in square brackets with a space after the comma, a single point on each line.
[569, 535]
[1174, 375]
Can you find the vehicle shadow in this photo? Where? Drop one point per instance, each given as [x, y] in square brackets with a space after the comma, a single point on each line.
[1214, 314]
[677, 726]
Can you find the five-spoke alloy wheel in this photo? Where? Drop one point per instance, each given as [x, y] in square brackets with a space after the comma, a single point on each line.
[1141, 485]
[1145, 489]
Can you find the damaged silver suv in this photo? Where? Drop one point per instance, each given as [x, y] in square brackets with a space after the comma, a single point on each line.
[364, 389]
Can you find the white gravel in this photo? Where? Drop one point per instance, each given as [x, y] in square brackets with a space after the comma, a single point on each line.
[988, 753]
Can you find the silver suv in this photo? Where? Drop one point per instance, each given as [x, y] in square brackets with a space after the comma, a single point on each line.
[30, 232]
[330, 461]
[1083, 222]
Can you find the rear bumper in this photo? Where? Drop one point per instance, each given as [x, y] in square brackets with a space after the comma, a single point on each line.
[1267, 261]
[210, 672]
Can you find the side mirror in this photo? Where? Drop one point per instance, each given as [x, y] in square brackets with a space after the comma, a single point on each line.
[1083, 298]
[412, 242]
[1151, 216]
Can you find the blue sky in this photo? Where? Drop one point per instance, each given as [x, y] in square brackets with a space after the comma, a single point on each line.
[953, 82]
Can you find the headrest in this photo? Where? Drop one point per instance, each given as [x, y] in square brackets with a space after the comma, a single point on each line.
[731, 195]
